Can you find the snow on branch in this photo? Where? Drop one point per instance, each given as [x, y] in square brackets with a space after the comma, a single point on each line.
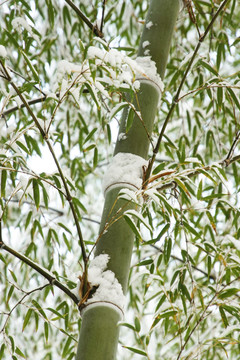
[125, 170]
[141, 69]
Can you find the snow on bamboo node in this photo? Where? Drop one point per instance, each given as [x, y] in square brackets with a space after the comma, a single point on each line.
[126, 171]
[108, 289]
[149, 70]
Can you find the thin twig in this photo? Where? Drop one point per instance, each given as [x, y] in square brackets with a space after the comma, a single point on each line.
[231, 151]
[103, 12]
[197, 171]
[176, 97]
[31, 102]
[20, 301]
[92, 27]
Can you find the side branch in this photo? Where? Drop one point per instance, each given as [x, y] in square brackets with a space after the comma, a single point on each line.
[92, 27]
[225, 163]
[46, 274]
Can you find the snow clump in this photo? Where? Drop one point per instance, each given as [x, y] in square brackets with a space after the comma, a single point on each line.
[108, 287]
[125, 170]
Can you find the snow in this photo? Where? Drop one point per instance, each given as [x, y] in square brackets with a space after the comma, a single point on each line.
[143, 68]
[109, 290]
[122, 136]
[149, 71]
[3, 51]
[149, 25]
[145, 44]
[18, 22]
[125, 170]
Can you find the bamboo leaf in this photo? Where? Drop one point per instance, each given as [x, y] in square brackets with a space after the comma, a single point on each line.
[163, 231]
[66, 347]
[46, 331]
[19, 352]
[208, 67]
[223, 316]
[234, 97]
[167, 249]
[36, 193]
[3, 182]
[132, 225]
[137, 324]
[227, 293]
[191, 229]
[136, 351]
[31, 66]
[27, 318]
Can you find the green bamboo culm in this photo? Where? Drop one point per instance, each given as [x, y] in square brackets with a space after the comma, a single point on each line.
[99, 330]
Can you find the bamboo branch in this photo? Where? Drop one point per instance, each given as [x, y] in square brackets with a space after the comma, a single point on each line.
[176, 97]
[226, 162]
[46, 274]
[92, 27]
[31, 102]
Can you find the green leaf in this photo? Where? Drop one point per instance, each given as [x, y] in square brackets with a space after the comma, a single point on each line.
[31, 66]
[208, 67]
[46, 330]
[199, 191]
[27, 318]
[128, 326]
[168, 314]
[39, 308]
[161, 301]
[136, 351]
[36, 193]
[191, 229]
[145, 262]
[10, 292]
[163, 231]
[234, 97]
[167, 249]
[130, 118]
[3, 182]
[19, 352]
[2, 351]
[118, 108]
[65, 227]
[132, 225]
[137, 324]
[66, 347]
[227, 293]
[90, 135]
[223, 316]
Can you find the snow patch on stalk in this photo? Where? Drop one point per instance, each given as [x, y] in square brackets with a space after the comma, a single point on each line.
[108, 289]
[149, 71]
[125, 170]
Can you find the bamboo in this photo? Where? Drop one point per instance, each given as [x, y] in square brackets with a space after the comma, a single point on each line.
[99, 330]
